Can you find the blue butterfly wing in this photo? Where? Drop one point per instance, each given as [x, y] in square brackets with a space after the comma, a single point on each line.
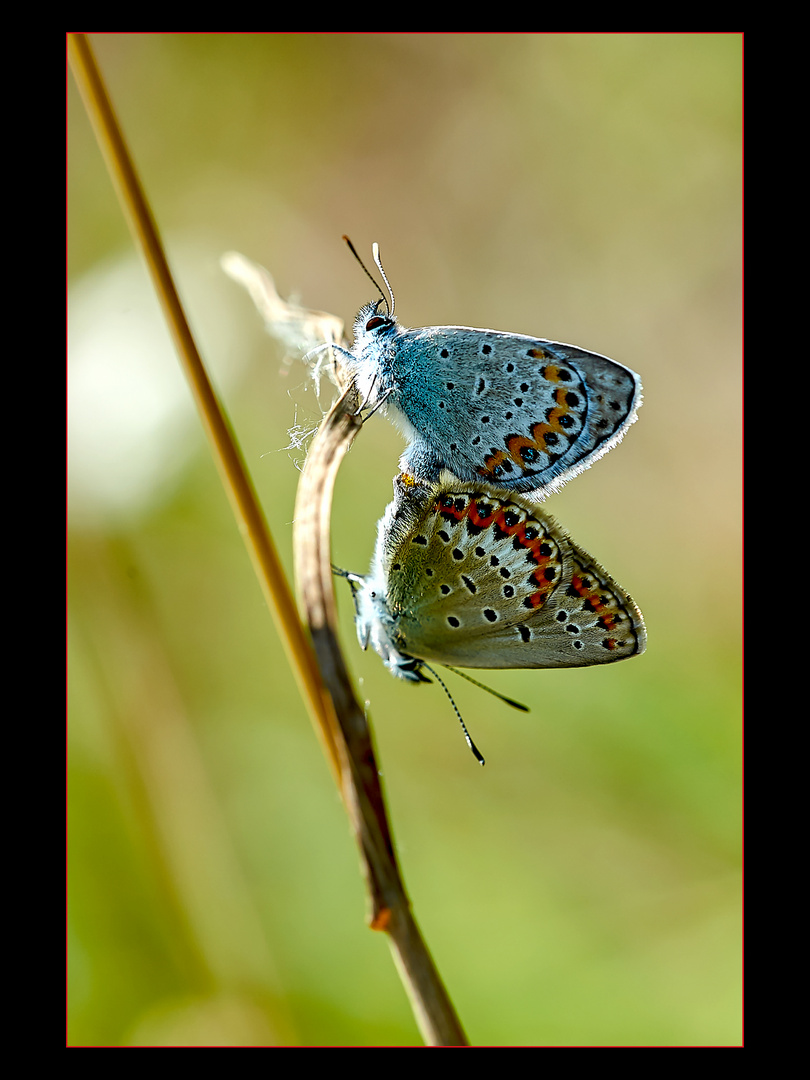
[523, 413]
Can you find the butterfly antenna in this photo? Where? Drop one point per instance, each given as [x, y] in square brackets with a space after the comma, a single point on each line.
[489, 690]
[352, 579]
[375, 251]
[476, 752]
[355, 583]
[369, 275]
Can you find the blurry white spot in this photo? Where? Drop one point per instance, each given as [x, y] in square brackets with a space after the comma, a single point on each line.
[132, 424]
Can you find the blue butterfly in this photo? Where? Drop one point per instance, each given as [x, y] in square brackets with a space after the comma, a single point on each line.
[521, 413]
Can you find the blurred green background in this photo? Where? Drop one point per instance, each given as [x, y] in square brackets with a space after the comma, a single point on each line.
[583, 888]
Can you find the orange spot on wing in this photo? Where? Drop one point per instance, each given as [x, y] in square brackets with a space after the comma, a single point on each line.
[536, 599]
[446, 506]
[483, 521]
[594, 597]
[492, 462]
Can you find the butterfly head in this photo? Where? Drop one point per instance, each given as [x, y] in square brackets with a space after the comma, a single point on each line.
[373, 323]
[376, 627]
[370, 320]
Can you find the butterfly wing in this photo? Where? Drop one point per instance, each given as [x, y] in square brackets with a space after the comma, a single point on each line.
[486, 582]
[522, 413]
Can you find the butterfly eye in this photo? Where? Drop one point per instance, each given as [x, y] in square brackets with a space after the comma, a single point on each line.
[375, 321]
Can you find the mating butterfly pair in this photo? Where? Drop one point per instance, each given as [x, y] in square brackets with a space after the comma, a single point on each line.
[467, 570]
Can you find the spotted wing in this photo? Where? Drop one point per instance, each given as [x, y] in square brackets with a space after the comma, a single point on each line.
[522, 413]
[486, 582]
